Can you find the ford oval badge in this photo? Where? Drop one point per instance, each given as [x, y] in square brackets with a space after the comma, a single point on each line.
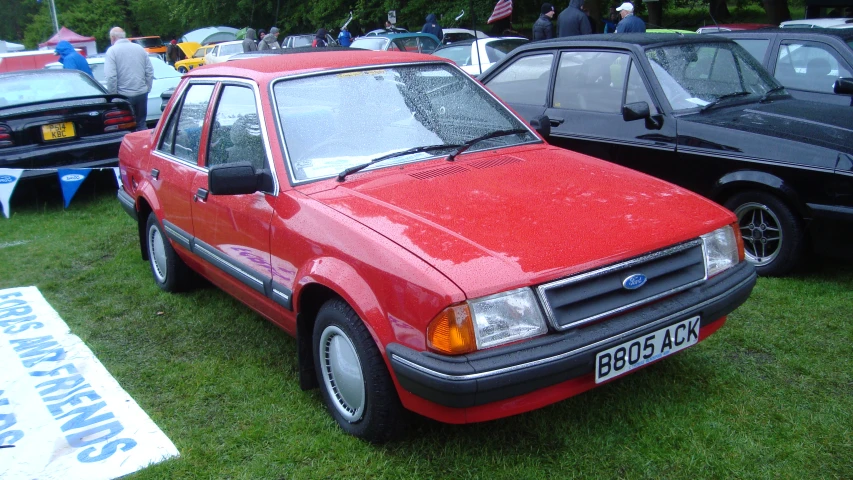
[7, 179]
[634, 282]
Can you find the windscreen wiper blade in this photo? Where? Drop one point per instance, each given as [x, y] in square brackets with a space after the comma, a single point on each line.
[473, 141]
[427, 148]
[773, 90]
[724, 97]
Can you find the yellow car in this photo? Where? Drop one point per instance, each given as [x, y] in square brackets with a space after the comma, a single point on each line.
[195, 56]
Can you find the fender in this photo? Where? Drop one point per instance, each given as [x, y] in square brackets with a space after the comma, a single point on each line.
[746, 179]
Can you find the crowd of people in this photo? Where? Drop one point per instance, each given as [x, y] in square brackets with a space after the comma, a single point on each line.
[575, 20]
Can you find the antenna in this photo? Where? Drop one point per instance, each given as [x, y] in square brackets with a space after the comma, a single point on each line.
[460, 15]
[711, 15]
[348, 20]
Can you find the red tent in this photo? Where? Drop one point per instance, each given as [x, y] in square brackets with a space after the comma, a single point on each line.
[86, 43]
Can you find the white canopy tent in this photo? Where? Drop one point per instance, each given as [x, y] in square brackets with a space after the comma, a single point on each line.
[10, 47]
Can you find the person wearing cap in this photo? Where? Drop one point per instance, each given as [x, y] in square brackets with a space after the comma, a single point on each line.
[270, 40]
[542, 29]
[70, 59]
[572, 21]
[629, 23]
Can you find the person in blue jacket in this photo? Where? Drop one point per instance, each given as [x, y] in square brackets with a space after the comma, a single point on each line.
[432, 26]
[72, 60]
[629, 23]
[345, 38]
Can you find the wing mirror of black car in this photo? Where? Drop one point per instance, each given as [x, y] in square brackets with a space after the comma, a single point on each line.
[238, 178]
[542, 125]
[639, 111]
[843, 86]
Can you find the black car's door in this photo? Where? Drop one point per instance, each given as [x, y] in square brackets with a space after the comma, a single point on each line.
[524, 83]
[809, 68]
[585, 106]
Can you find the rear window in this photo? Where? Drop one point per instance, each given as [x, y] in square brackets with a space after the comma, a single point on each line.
[149, 42]
[231, 49]
[499, 48]
[47, 85]
[370, 43]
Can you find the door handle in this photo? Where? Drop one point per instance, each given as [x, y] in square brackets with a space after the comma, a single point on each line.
[155, 173]
[556, 121]
[201, 194]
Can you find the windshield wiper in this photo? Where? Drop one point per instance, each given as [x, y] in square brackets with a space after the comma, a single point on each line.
[343, 175]
[724, 97]
[473, 141]
[773, 90]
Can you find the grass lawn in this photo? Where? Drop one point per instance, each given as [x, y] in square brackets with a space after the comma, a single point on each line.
[769, 396]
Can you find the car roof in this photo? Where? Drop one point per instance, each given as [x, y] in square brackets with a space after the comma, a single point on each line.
[842, 33]
[623, 40]
[470, 41]
[288, 51]
[285, 65]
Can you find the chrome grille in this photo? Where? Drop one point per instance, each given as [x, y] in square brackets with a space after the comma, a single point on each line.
[590, 296]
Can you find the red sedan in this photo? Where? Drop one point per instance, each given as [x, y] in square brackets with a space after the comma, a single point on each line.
[427, 249]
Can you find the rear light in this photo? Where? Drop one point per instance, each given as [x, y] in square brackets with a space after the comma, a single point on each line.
[115, 120]
[6, 139]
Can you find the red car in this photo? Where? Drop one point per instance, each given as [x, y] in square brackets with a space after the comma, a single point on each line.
[436, 255]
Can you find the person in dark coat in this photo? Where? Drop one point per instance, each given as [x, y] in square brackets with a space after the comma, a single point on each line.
[320, 39]
[72, 60]
[572, 21]
[270, 40]
[629, 23]
[249, 44]
[432, 26]
[542, 29]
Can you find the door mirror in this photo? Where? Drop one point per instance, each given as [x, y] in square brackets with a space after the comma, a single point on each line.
[238, 178]
[843, 86]
[542, 124]
[635, 111]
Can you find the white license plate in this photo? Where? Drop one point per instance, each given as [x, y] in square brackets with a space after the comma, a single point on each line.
[623, 358]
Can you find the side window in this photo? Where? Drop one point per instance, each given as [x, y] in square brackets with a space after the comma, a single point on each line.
[427, 45]
[236, 132]
[757, 47]
[393, 47]
[809, 66]
[590, 81]
[191, 121]
[525, 81]
[460, 55]
[637, 91]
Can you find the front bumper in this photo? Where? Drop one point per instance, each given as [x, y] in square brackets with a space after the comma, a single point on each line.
[500, 373]
[85, 152]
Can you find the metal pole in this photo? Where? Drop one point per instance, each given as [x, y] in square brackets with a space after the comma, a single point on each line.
[53, 16]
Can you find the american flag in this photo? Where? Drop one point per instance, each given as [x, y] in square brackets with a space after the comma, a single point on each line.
[502, 10]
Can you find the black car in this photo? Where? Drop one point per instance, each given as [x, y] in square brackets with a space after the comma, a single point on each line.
[59, 118]
[807, 61]
[701, 112]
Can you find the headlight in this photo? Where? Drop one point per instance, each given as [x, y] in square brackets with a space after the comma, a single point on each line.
[486, 322]
[723, 249]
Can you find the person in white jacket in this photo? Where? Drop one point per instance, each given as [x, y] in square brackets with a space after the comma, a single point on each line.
[128, 71]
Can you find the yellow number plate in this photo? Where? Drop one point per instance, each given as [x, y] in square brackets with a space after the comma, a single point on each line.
[57, 131]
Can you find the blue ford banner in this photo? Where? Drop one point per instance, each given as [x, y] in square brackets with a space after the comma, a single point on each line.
[70, 180]
[8, 179]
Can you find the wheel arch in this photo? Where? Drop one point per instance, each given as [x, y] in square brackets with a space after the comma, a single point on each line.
[143, 209]
[733, 183]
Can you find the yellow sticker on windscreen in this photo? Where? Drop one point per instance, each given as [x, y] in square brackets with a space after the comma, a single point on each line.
[364, 72]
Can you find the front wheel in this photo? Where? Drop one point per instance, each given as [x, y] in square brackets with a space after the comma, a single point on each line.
[354, 381]
[772, 234]
[182, 69]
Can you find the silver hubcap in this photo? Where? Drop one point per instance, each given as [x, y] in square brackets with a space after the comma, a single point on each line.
[761, 232]
[157, 254]
[342, 373]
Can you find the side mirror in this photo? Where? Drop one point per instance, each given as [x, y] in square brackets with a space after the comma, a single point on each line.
[843, 86]
[542, 124]
[635, 111]
[238, 178]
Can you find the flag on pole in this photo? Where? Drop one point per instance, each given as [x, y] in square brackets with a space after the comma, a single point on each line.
[502, 10]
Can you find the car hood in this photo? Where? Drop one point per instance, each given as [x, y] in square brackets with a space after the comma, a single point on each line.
[819, 124]
[496, 221]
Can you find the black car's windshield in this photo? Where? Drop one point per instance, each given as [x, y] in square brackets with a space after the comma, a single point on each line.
[332, 122]
[48, 85]
[696, 75]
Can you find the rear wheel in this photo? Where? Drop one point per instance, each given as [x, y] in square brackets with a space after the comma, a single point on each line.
[354, 381]
[772, 234]
[169, 271]
[182, 69]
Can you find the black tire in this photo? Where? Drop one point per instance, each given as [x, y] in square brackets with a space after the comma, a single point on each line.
[772, 234]
[363, 400]
[182, 69]
[169, 271]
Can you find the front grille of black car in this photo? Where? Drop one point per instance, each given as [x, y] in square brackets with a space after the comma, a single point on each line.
[590, 296]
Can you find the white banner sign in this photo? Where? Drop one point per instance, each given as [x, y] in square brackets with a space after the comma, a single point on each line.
[62, 416]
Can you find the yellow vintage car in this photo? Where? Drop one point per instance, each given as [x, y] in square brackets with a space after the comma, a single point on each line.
[195, 56]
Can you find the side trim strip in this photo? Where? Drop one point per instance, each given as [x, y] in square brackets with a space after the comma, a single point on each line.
[561, 356]
[178, 235]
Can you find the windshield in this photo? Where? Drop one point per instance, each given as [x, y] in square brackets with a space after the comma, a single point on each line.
[303, 41]
[230, 49]
[47, 85]
[695, 75]
[377, 43]
[152, 42]
[161, 69]
[335, 121]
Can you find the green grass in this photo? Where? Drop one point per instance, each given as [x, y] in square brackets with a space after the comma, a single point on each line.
[769, 396]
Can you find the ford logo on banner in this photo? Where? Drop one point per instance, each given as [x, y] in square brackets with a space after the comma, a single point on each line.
[6, 179]
[73, 177]
[634, 282]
